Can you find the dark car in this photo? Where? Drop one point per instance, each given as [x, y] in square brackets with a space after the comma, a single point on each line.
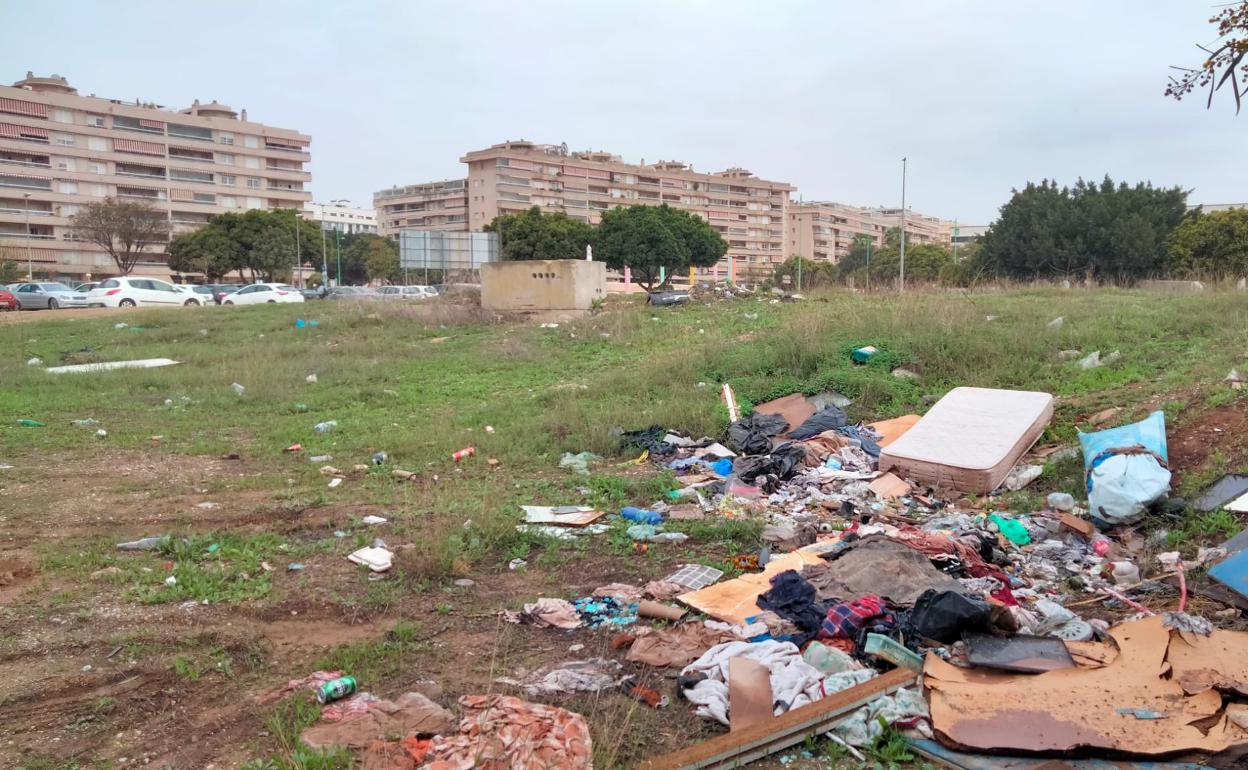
[352, 292]
[311, 293]
[219, 290]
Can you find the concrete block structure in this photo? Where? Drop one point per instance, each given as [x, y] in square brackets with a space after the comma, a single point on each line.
[60, 151]
[555, 289]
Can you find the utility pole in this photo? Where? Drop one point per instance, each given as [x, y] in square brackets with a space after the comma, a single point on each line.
[901, 279]
[324, 260]
[30, 262]
[869, 239]
[299, 257]
[799, 272]
[338, 247]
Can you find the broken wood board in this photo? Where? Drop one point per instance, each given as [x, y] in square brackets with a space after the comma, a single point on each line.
[736, 749]
[735, 600]
[889, 487]
[1075, 524]
[566, 516]
[142, 363]
[1218, 661]
[749, 693]
[1077, 708]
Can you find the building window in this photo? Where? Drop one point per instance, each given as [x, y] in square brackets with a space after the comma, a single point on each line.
[99, 168]
[254, 203]
[95, 120]
[251, 162]
[99, 190]
[251, 141]
[225, 159]
[227, 201]
[253, 183]
[69, 209]
[63, 116]
[65, 164]
[225, 137]
[226, 179]
[65, 140]
[69, 188]
[97, 143]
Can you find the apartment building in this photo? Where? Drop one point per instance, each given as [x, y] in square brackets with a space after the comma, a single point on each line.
[342, 217]
[825, 231]
[747, 211]
[430, 206]
[60, 151]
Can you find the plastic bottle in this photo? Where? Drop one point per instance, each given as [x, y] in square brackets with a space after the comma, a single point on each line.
[1060, 501]
[465, 452]
[87, 423]
[27, 423]
[669, 537]
[238, 389]
[325, 427]
[641, 516]
[1125, 573]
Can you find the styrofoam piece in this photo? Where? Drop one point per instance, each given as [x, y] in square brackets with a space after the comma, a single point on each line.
[142, 363]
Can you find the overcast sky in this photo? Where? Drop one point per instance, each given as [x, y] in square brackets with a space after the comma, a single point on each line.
[981, 96]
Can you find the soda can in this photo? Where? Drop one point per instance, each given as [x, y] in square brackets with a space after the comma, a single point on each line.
[465, 452]
[335, 689]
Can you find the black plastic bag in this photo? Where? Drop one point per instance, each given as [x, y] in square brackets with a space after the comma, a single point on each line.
[828, 418]
[945, 615]
[752, 435]
[651, 438]
[782, 462]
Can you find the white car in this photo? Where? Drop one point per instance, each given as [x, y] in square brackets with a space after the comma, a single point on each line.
[130, 291]
[406, 292]
[261, 293]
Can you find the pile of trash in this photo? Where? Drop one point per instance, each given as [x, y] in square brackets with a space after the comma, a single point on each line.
[892, 588]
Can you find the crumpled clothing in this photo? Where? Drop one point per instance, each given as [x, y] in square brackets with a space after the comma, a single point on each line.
[543, 613]
[650, 438]
[309, 682]
[593, 675]
[846, 619]
[406, 754]
[350, 706]
[793, 598]
[676, 646]
[866, 437]
[777, 627]
[410, 714]
[819, 448]
[596, 612]
[752, 435]
[794, 682]
[904, 708]
[499, 732]
[747, 631]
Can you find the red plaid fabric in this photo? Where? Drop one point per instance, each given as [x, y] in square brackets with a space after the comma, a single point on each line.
[846, 619]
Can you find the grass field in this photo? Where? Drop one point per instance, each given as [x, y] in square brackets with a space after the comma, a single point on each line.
[422, 382]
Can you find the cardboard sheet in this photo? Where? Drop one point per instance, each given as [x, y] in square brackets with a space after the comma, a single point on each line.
[749, 693]
[1072, 708]
[732, 601]
[568, 516]
[970, 439]
[795, 408]
[893, 429]
[1218, 661]
[889, 487]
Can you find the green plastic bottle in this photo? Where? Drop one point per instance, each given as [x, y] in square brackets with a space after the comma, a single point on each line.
[26, 423]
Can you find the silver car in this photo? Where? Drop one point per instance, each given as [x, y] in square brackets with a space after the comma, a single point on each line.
[50, 296]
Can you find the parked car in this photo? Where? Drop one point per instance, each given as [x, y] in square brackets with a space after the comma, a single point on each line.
[220, 290]
[83, 288]
[50, 295]
[311, 293]
[8, 301]
[130, 291]
[406, 292]
[351, 292]
[204, 294]
[261, 293]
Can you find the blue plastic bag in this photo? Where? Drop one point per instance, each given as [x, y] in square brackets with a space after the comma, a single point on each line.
[1126, 469]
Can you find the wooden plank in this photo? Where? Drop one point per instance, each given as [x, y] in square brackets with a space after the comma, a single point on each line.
[738, 748]
[749, 693]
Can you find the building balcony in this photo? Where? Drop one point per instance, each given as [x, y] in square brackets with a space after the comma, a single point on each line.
[29, 161]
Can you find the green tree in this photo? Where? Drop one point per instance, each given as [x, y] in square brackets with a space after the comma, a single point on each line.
[534, 235]
[1225, 64]
[380, 256]
[854, 264]
[814, 274]
[1211, 245]
[1112, 232]
[354, 260]
[208, 251]
[10, 272]
[653, 240]
[924, 262]
[272, 253]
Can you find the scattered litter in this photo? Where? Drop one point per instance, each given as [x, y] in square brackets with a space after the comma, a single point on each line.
[101, 433]
[593, 675]
[1126, 469]
[120, 325]
[370, 519]
[335, 482]
[380, 458]
[695, 576]
[863, 354]
[1032, 654]
[1056, 323]
[208, 505]
[320, 458]
[295, 566]
[310, 379]
[36, 361]
[464, 583]
[309, 324]
[516, 564]
[26, 422]
[902, 373]
[238, 389]
[325, 427]
[410, 714]
[1091, 360]
[548, 325]
[463, 453]
[1235, 379]
[498, 731]
[489, 429]
[376, 559]
[1226, 489]
[546, 612]
[1022, 475]
[143, 544]
[565, 516]
[293, 448]
[171, 581]
[578, 462]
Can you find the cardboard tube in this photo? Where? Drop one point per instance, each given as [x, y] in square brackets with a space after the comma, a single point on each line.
[649, 609]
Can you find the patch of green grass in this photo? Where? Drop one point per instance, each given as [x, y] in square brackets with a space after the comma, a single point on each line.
[890, 748]
[217, 567]
[739, 535]
[372, 663]
[1221, 397]
[1200, 528]
[284, 724]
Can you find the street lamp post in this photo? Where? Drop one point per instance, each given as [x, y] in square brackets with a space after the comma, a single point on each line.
[901, 279]
[324, 260]
[30, 262]
[338, 248]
